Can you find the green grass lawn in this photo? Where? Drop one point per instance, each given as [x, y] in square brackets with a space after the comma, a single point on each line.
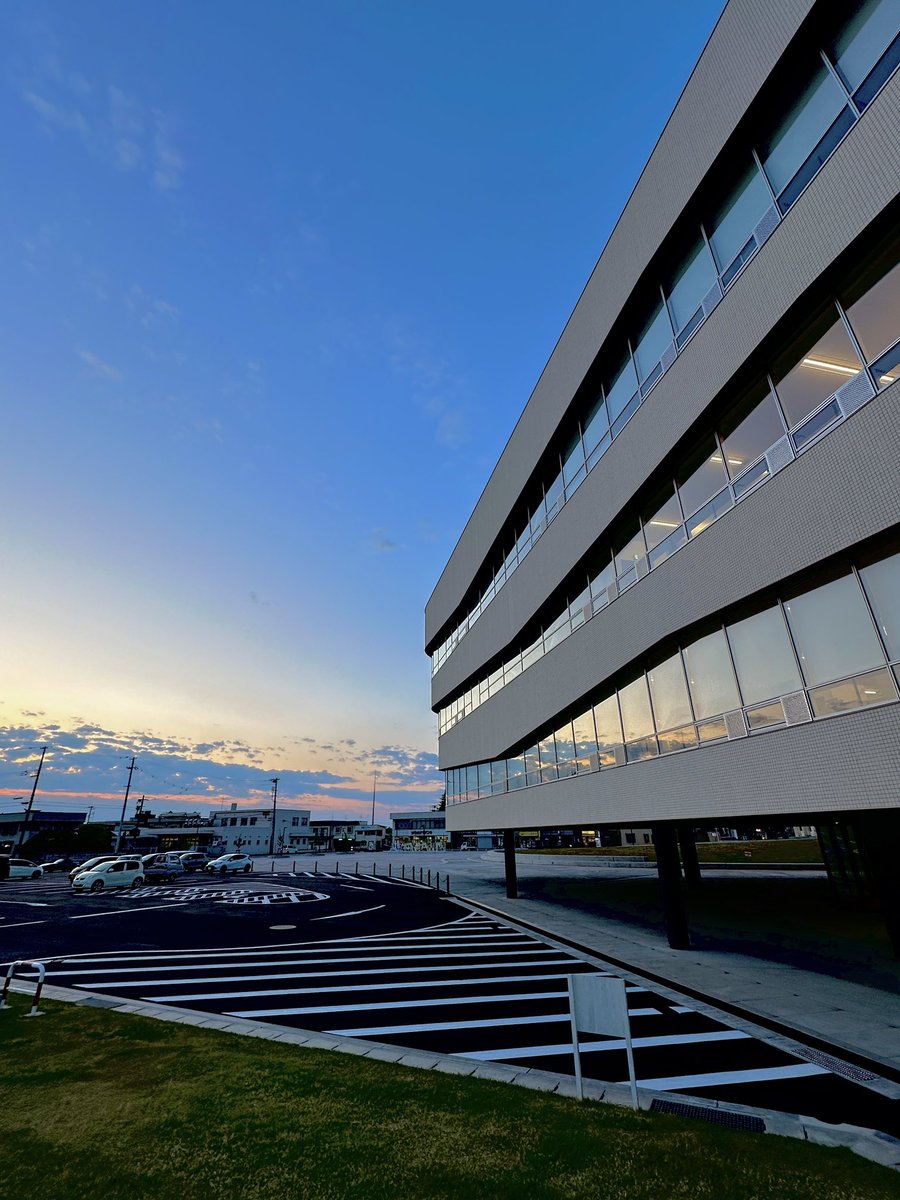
[99, 1104]
[786, 850]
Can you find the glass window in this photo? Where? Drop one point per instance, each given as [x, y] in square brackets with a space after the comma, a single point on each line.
[668, 690]
[833, 631]
[609, 729]
[602, 575]
[691, 284]
[666, 517]
[731, 229]
[713, 731]
[498, 776]
[710, 676]
[573, 461]
[585, 737]
[484, 779]
[634, 701]
[825, 366]
[750, 428]
[652, 344]
[532, 766]
[622, 388]
[876, 687]
[565, 747]
[882, 584]
[864, 42]
[705, 516]
[515, 770]
[554, 497]
[547, 751]
[595, 425]
[765, 716]
[630, 549]
[875, 319]
[702, 476]
[763, 656]
[805, 137]
[677, 739]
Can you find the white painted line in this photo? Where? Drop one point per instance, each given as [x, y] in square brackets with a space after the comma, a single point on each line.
[562, 1017]
[341, 946]
[28, 903]
[684, 1039]
[352, 887]
[125, 983]
[317, 962]
[356, 912]
[721, 1078]
[351, 987]
[126, 912]
[19, 924]
[681, 1008]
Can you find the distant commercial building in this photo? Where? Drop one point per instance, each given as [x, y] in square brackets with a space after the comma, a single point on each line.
[16, 829]
[420, 830]
[252, 830]
[334, 835]
[695, 523]
[372, 837]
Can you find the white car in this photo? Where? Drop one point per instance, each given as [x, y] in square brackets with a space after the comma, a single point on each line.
[23, 868]
[231, 862]
[121, 873]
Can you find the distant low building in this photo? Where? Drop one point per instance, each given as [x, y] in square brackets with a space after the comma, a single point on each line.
[16, 829]
[419, 830]
[372, 837]
[252, 831]
[334, 835]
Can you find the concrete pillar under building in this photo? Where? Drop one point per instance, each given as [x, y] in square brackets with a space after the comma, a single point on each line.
[509, 864]
[879, 833]
[689, 860]
[671, 893]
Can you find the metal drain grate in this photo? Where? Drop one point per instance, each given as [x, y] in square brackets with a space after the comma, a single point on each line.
[716, 1116]
[838, 1067]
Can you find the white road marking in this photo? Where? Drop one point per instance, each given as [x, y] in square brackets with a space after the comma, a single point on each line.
[28, 903]
[120, 983]
[126, 912]
[720, 1078]
[559, 1018]
[338, 962]
[356, 912]
[441, 1026]
[365, 987]
[683, 1039]
[19, 924]
[438, 1002]
[352, 887]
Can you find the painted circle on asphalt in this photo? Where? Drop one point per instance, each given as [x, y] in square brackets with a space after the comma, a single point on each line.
[282, 926]
[178, 895]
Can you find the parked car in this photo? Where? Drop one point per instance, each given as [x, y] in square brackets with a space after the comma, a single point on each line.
[230, 862]
[90, 864]
[119, 873]
[193, 860]
[24, 868]
[165, 867]
[59, 864]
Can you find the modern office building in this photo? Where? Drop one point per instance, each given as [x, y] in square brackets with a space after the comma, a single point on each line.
[677, 601]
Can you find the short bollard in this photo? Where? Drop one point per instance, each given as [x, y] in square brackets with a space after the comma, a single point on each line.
[357, 866]
[447, 883]
[316, 867]
[437, 880]
[373, 869]
[337, 868]
[390, 872]
[403, 870]
[272, 868]
[294, 867]
[429, 876]
[41, 970]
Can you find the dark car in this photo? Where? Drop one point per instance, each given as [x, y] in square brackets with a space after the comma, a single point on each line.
[164, 867]
[60, 864]
[193, 860]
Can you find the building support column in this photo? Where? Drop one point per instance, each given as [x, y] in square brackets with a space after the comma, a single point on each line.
[880, 836]
[671, 893]
[689, 860]
[509, 864]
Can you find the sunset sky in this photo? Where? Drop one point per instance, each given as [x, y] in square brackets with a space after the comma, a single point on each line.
[276, 281]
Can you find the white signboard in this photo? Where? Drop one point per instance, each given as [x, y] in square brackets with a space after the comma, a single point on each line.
[599, 1004]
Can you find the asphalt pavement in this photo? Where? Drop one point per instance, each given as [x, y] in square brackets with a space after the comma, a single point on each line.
[396, 962]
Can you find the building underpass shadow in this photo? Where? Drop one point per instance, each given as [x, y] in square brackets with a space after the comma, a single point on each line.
[796, 921]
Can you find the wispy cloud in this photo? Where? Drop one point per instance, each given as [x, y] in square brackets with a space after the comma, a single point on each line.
[98, 366]
[114, 125]
[440, 394]
[149, 311]
[380, 542]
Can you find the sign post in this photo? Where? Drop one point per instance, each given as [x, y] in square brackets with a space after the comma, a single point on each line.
[598, 1004]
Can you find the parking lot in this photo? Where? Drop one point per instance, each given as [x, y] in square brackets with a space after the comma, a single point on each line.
[396, 962]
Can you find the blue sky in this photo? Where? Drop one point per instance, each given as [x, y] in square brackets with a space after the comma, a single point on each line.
[276, 281]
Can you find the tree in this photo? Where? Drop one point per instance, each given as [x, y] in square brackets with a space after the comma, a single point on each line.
[442, 805]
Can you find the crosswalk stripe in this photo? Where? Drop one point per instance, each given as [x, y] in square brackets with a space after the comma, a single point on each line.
[361, 987]
[674, 1039]
[96, 984]
[439, 1025]
[674, 1083]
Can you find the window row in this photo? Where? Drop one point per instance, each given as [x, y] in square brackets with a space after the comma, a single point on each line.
[797, 400]
[840, 85]
[817, 654]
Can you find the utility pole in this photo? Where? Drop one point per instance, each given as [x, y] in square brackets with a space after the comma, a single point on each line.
[374, 782]
[274, 807]
[37, 776]
[125, 804]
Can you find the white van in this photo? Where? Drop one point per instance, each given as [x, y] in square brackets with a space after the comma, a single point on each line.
[121, 872]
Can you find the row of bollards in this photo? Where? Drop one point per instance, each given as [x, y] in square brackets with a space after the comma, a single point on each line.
[423, 876]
